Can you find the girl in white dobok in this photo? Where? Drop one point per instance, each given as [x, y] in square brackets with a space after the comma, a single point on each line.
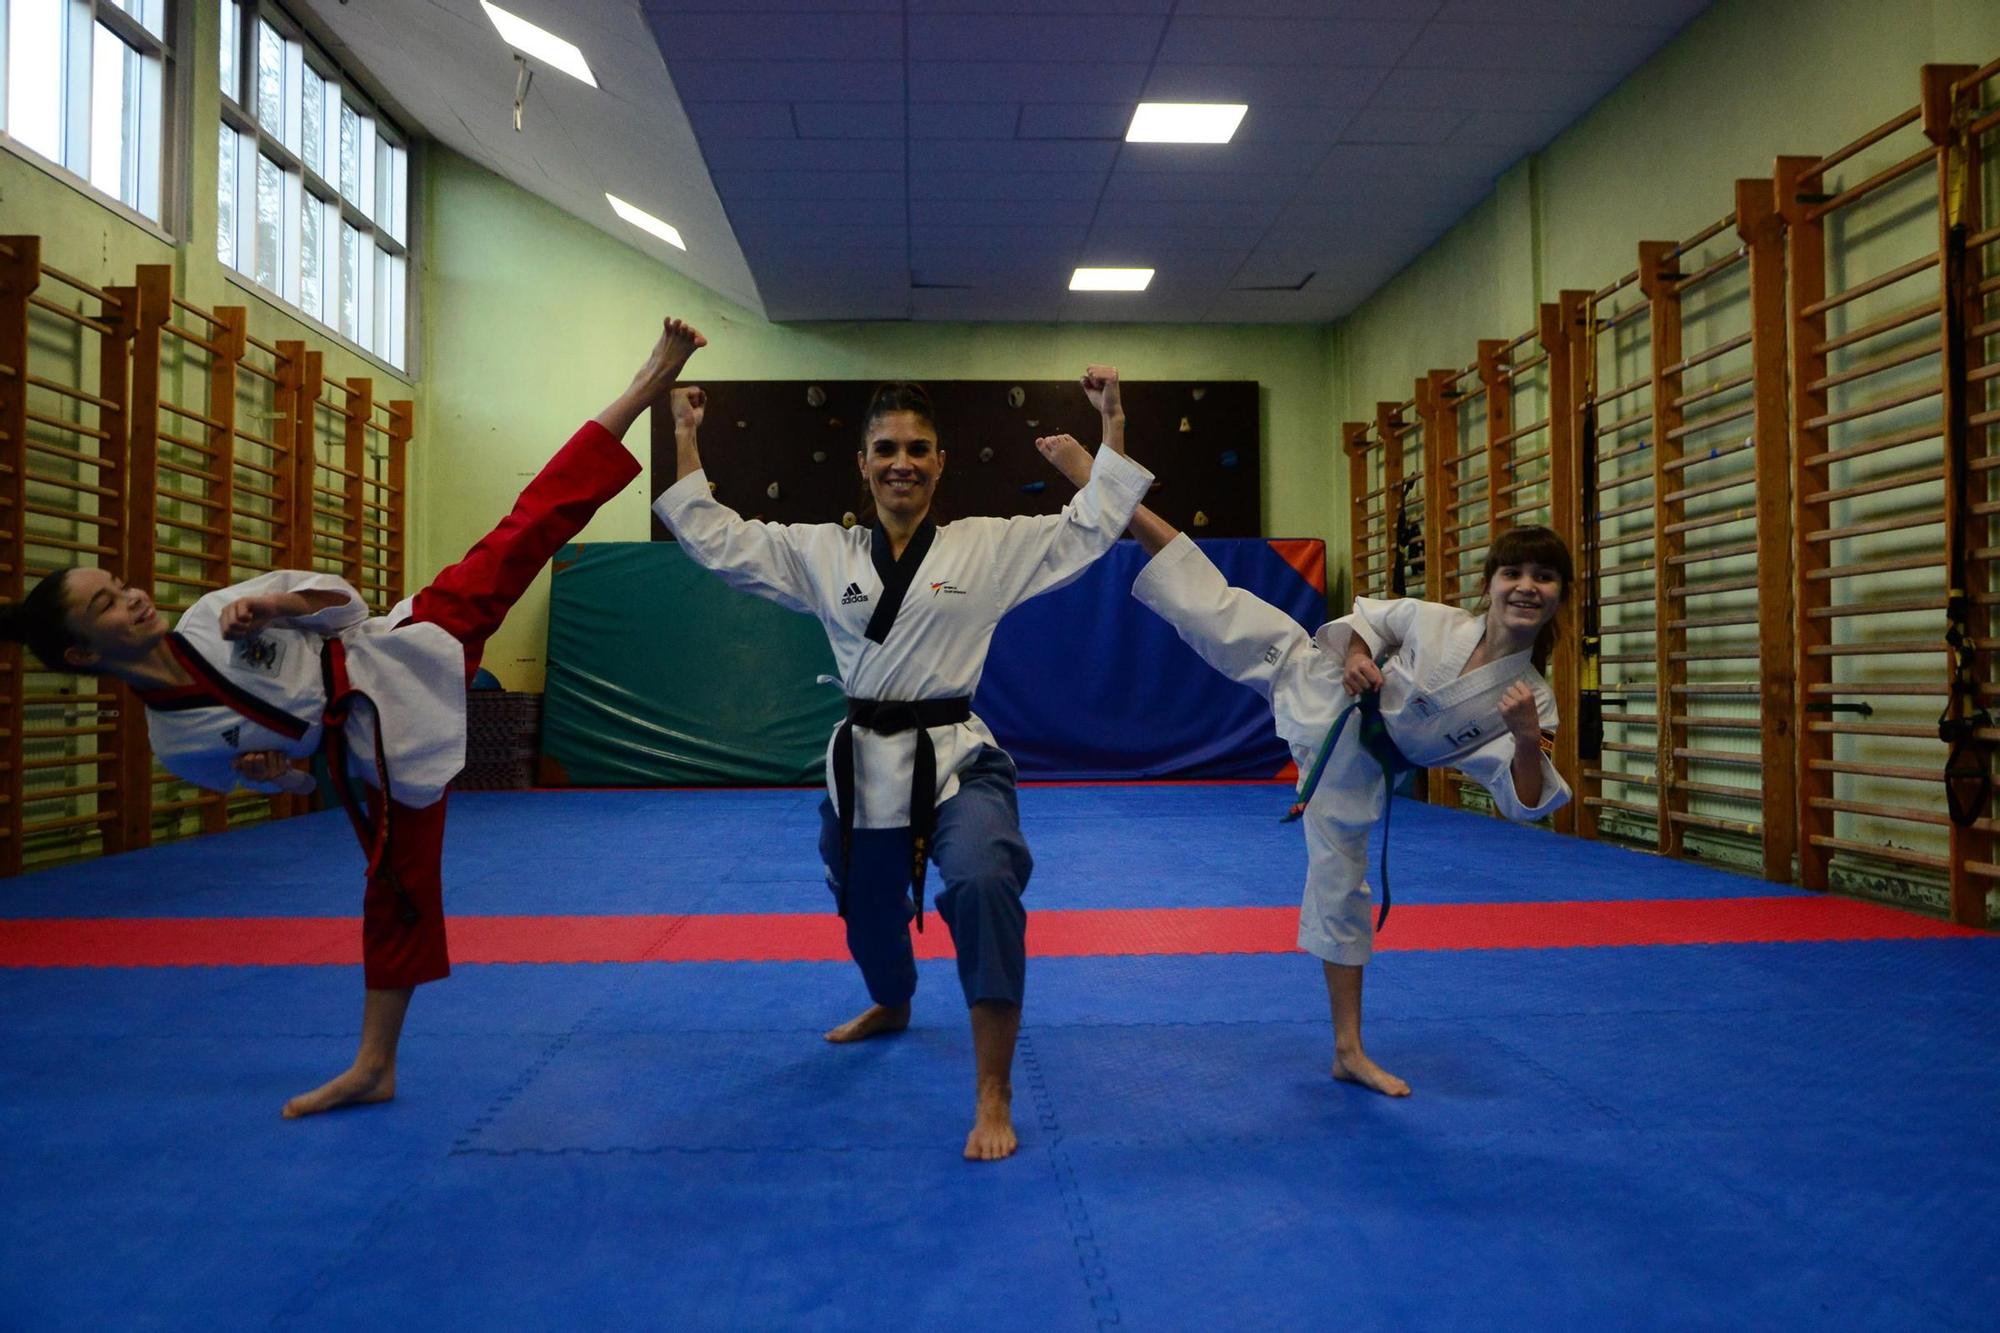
[1454, 688]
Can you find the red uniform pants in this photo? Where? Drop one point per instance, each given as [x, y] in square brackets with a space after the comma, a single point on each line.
[469, 600]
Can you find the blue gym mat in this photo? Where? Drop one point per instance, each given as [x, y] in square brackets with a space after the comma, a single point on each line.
[1743, 1136]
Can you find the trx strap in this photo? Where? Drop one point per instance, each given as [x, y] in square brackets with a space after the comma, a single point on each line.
[1968, 767]
[891, 717]
[897, 574]
[341, 697]
[1373, 734]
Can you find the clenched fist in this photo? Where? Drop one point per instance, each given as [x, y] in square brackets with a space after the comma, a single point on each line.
[1518, 711]
[246, 617]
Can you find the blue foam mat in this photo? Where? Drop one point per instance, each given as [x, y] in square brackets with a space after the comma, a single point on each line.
[1748, 1136]
[757, 851]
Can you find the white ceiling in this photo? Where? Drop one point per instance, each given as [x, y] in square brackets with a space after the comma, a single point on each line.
[955, 159]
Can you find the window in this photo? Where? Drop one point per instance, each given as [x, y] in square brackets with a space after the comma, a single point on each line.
[314, 183]
[85, 87]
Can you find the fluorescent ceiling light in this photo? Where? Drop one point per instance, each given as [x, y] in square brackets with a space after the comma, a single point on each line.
[1185, 122]
[542, 45]
[645, 221]
[1110, 279]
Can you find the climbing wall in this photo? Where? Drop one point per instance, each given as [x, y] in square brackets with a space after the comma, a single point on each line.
[784, 450]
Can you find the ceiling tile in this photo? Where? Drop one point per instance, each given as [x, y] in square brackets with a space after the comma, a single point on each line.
[733, 185]
[1079, 120]
[1641, 13]
[1551, 48]
[1509, 129]
[1139, 186]
[1262, 86]
[1406, 11]
[1324, 43]
[1003, 212]
[977, 81]
[1403, 125]
[788, 80]
[808, 155]
[1006, 185]
[1252, 215]
[1480, 90]
[689, 39]
[882, 210]
[849, 120]
[963, 120]
[1254, 158]
[980, 37]
[847, 238]
[1295, 124]
[773, 6]
[1064, 8]
[1011, 155]
[1161, 248]
[1005, 239]
[740, 120]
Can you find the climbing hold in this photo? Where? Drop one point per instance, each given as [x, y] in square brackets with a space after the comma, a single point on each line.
[835, 423]
[743, 425]
[772, 490]
[1197, 394]
[1200, 519]
[815, 396]
[711, 488]
[1187, 426]
[848, 520]
[1230, 459]
[1032, 423]
[1035, 487]
[986, 454]
[819, 455]
[1016, 396]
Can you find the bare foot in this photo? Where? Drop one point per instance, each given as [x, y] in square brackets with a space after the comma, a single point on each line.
[992, 1136]
[1355, 1067]
[356, 1087]
[663, 366]
[874, 1021]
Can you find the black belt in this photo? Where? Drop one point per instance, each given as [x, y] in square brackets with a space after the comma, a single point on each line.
[890, 717]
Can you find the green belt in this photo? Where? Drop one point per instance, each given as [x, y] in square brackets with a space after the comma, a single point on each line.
[1375, 739]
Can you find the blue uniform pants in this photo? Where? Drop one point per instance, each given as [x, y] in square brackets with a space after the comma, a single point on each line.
[984, 863]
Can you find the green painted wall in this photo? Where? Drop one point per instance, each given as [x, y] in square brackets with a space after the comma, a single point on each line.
[533, 320]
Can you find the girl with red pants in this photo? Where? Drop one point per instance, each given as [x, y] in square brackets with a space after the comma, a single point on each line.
[256, 676]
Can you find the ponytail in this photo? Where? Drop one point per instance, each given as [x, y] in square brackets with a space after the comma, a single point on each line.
[37, 620]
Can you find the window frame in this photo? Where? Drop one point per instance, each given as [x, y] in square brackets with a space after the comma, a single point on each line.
[169, 159]
[285, 147]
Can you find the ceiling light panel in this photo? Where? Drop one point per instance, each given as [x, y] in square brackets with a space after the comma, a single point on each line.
[1110, 279]
[1185, 122]
[646, 222]
[540, 43]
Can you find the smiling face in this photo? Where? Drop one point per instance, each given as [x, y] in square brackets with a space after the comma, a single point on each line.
[113, 624]
[1522, 597]
[901, 464]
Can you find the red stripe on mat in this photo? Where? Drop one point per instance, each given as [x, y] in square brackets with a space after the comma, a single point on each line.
[293, 941]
